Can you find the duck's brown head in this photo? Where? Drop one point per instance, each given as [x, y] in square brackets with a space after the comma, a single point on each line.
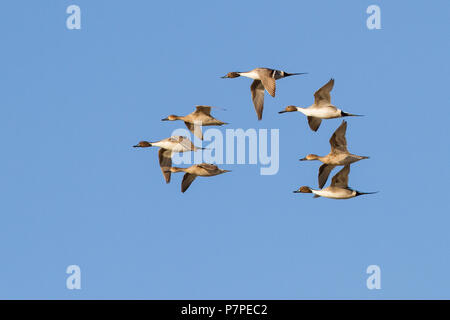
[303, 189]
[310, 157]
[289, 109]
[143, 144]
[232, 75]
[172, 117]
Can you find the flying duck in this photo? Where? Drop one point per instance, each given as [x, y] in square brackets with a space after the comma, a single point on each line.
[195, 120]
[321, 108]
[338, 188]
[197, 170]
[338, 156]
[167, 147]
[263, 78]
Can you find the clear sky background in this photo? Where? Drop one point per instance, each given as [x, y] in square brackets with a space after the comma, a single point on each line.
[74, 191]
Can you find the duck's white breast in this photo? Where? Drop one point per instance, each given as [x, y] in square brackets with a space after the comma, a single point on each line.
[336, 193]
[171, 145]
[251, 74]
[323, 112]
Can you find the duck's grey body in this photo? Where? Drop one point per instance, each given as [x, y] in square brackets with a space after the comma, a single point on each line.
[335, 193]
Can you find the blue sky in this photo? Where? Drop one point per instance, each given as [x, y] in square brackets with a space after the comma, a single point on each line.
[74, 191]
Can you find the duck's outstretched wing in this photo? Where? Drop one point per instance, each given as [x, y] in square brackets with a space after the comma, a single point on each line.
[314, 123]
[268, 80]
[257, 90]
[165, 162]
[195, 129]
[208, 166]
[203, 109]
[340, 180]
[324, 172]
[187, 144]
[337, 140]
[187, 180]
[323, 94]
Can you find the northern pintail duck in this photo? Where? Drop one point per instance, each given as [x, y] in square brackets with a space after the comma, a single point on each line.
[338, 188]
[195, 120]
[197, 170]
[321, 108]
[264, 78]
[167, 147]
[338, 156]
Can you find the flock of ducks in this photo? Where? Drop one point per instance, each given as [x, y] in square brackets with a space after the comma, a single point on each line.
[264, 79]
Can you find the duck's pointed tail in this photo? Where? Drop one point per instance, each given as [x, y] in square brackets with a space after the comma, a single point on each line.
[294, 74]
[346, 114]
[363, 193]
